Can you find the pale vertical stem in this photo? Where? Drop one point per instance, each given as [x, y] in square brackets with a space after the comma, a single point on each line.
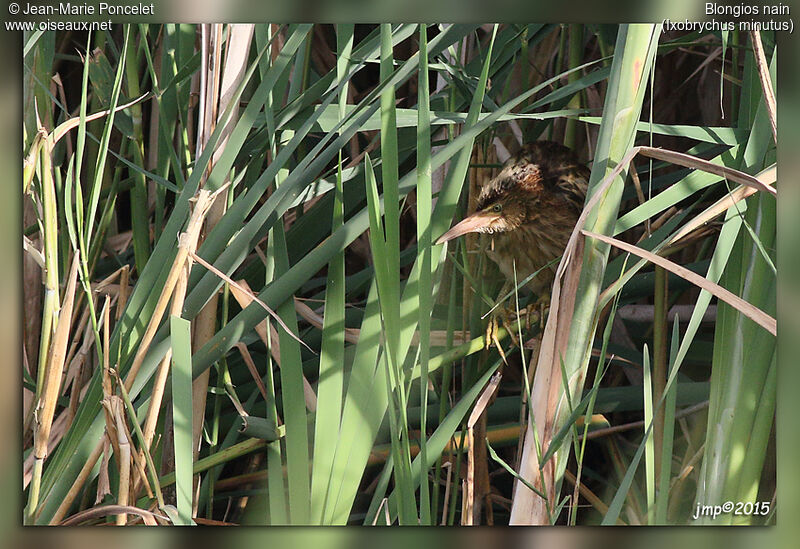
[205, 321]
[124, 459]
[50, 232]
[568, 335]
[469, 512]
[766, 83]
[186, 242]
[106, 347]
[469, 483]
[46, 405]
[90, 462]
[174, 288]
[218, 96]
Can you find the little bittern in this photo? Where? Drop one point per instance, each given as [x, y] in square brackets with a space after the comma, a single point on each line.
[529, 211]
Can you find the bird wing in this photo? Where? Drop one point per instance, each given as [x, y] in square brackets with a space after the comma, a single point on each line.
[560, 170]
[571, 183]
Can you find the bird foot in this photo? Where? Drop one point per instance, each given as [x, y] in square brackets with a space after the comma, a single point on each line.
[511, 321]
[491, 337]
[540, 307]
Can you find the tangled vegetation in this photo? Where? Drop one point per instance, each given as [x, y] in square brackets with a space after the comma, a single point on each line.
[236, 310]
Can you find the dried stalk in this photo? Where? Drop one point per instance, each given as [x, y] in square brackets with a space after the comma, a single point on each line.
[115, 408]
[186, 241]
[766, 82]
[467, 517]
[217, 95]
[244, 296]
[105, 510]
[181, 267]
[46, 406]
[750, 311]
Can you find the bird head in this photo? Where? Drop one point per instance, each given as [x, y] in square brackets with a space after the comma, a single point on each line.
[503, 202]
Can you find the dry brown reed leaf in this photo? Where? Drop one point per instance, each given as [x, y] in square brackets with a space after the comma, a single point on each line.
[117, 430]
[244, 296]
[750, 311]
[766, 81]
[689, 161]
[103, 480]
[47, 404]
[467, 518]
[309, 315]
[187, 241]
[33, 252]
[73, 123]
[160, 380]
[124, 291]
[251, 366]
[252, 296]
[767, 177]
[148, 517]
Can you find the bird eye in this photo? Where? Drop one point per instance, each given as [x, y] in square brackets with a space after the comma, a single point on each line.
[497, 208]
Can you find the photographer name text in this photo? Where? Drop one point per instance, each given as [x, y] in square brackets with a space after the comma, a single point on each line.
[75, 8]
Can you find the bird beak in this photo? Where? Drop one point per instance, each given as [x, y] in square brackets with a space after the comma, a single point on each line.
[471, 224]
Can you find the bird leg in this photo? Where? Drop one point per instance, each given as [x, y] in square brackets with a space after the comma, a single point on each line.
[493, 326]
[538, 309]
[510, 319]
